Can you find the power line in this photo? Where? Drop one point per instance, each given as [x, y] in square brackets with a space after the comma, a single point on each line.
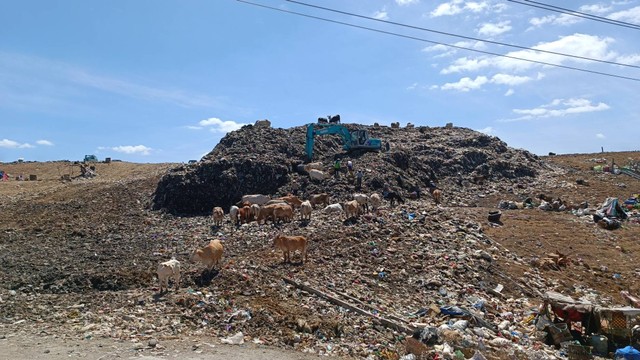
[462, 36]
[438, 43]
[575, 13]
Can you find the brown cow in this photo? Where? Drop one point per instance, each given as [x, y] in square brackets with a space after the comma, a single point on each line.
[218, 216]
[209, 255]
[291, 243]
[245, 214]
[282, 212]
[266, 212]
[291, 200]
[437, 195]
[319, 199]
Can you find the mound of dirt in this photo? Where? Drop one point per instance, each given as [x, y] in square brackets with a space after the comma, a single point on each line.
[265, 160]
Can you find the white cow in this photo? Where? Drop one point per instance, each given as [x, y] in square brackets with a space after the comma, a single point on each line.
[317, 174]
[376, 201]
[363, 201]
[333, 208]
[233, 214]
[166, 270]
[305, 210]
[255, 199]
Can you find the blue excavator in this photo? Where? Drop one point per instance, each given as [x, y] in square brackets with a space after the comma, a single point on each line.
[351, 140]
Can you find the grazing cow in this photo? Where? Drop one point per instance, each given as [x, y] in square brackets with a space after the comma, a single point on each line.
[312, 166]
[209, 255]
[319, 199]
[351, 209]
[375, 200]
[233, 214]
[218, 216]
[317, 174]
[392, 196]
[245, 214]
[282, 212]
[266, 213]
[305, 210]
[291, 200]
[437, 195]
[289, 244]
[255, 211]
[363, 201]
[333, 208]
[254, 199]
[167, 270]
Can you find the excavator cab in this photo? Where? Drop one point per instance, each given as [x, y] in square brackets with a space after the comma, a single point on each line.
[359, 137]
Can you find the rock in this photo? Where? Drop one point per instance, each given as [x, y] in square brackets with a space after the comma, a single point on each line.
[153, 342]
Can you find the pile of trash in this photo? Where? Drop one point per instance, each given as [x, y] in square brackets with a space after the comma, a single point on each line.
[258, 159]
[411, 280]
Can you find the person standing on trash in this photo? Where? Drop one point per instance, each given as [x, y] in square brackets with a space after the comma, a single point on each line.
[336, 168]
[359, 175]
[350, 169]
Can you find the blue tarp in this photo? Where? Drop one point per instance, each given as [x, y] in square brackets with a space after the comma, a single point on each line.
[628, 353]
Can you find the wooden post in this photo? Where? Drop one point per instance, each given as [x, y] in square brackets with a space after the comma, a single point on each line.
[385, 322]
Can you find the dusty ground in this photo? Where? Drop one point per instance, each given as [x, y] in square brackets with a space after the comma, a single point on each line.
[78, 259]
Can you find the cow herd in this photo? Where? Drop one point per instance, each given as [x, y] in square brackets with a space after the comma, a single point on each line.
[262, 209]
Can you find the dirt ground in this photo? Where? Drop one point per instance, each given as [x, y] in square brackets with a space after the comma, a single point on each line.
[78, 258]
[28, 346]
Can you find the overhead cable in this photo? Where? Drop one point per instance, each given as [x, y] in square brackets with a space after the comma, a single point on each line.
[463, 36]
[575, 13]
[438, 43]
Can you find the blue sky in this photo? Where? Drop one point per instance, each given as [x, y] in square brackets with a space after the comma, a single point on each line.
[163, 81]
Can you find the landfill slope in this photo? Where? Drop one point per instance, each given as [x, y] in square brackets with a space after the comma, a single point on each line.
[264, 160]
[79, 257]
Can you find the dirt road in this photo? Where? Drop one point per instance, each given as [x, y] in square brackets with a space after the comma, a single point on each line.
[23, 347]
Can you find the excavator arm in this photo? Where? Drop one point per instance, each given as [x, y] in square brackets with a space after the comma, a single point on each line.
[313, 131]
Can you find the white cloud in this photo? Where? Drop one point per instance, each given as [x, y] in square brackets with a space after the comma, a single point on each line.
[465, 84]
[218, 125]
[630, 15]
[406, 2]
[59, 75]
[511, 80]
[10, 144]
[509, 92]
[633, 59]
[560, 108]
[455, 7]
[447, 9]
[449, 50]
[488, 130]
[595, 9]
[576, 44]
[562, 20]
[129, 149]
[600, 136]
[44, 142]
[488, 29]
[191, 127]
[412, 86]
[381, 14]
